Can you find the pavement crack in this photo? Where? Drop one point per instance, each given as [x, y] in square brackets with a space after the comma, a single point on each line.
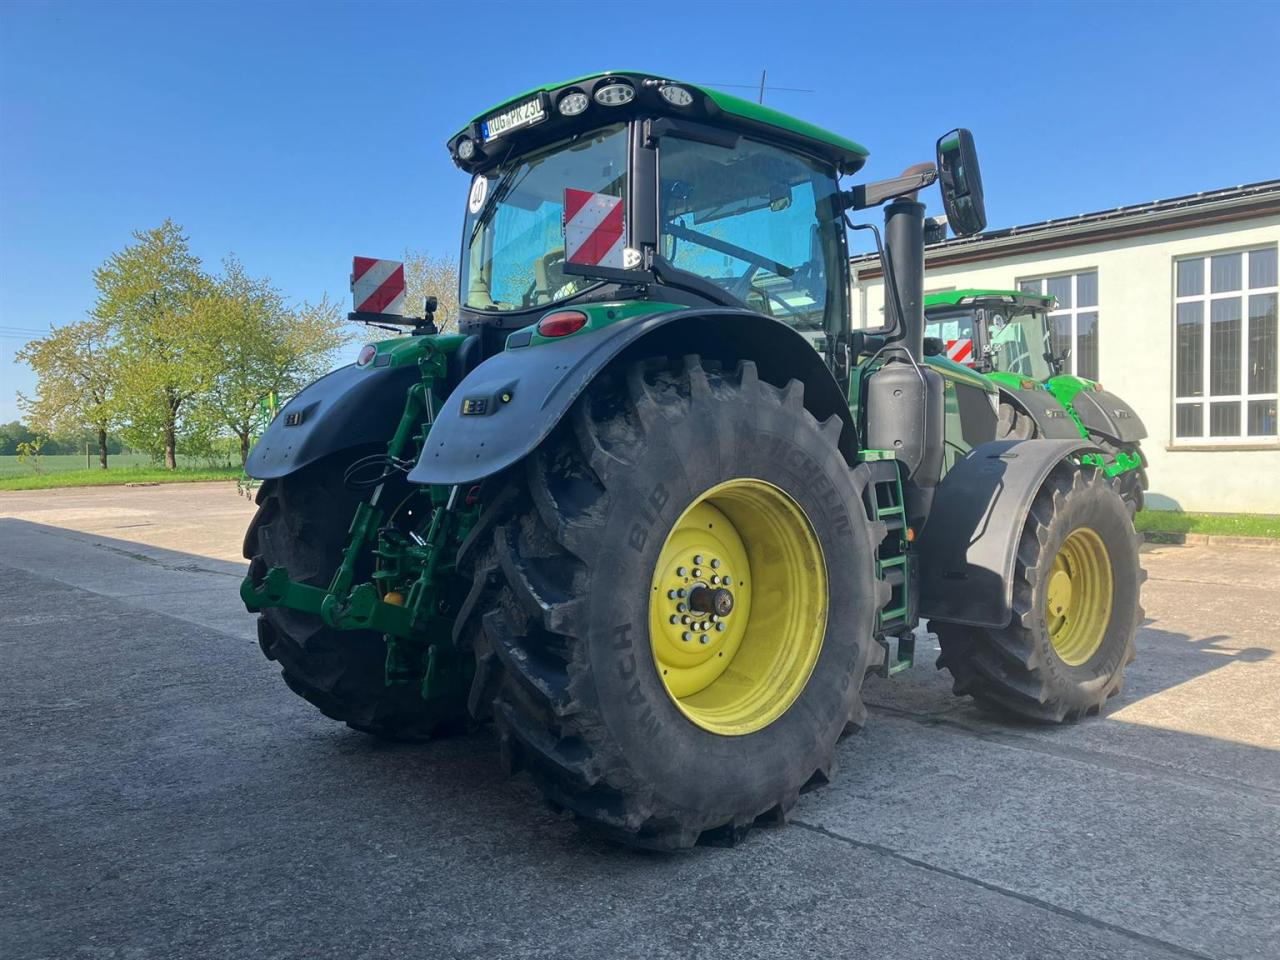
[1126, 764]
[1087, 919]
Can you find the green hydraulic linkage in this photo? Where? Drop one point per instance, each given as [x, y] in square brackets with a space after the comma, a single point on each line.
[885, 502]
[405, 599]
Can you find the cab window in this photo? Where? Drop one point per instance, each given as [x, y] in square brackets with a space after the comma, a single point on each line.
[758, 221]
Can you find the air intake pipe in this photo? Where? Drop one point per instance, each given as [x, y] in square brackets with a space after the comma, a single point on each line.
[905, 398]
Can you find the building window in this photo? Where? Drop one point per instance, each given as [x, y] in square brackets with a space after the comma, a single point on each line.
[1073, 321]
[1225, 347]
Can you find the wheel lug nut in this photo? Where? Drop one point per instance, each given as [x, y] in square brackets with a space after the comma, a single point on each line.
[686, 636]
[726, 581]
[681, 608]
[684, 619]
[703, 625]
[674, 618]
[681, 571]
[720, 627]
[671, 594]
[715, 564]
[714, 579]
[681, 592]
[697, 559]
[696, 573]
[704, 639]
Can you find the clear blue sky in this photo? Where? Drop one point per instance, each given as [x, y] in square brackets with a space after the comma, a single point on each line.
[296, 135]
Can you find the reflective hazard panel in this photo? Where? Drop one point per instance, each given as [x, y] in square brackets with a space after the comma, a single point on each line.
[594, 229]
[377, 286]
[961, 351]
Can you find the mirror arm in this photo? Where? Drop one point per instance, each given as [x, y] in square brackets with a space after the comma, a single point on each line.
[866, 195]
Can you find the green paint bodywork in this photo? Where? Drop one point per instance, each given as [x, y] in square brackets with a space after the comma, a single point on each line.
[955, 298]
[1012, 381]
[599, 316]
[848, 154]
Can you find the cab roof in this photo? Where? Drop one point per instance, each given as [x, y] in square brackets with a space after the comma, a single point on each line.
[709, 106]
[963, 298]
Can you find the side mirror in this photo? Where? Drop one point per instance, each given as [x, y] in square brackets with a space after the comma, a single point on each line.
[961, 183]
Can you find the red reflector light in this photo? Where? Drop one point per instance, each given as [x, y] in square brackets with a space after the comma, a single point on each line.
[367, 353]
[561, 323]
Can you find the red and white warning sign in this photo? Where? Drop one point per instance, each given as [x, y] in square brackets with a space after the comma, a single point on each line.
[593, 228]
[377, 286]
[961, 351]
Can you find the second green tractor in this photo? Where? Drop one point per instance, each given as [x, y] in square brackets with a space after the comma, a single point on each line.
[1007, 336]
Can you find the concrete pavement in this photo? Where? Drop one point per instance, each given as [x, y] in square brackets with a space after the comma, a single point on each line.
[163, 794]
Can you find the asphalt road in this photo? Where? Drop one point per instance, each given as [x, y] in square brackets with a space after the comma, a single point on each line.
[162, 794]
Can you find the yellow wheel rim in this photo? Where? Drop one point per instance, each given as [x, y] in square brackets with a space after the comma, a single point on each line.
[747, 548]
[1078, 597]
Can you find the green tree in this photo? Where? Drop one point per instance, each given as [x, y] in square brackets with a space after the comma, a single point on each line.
[253, 344]
[30, 450]
[12, 434]
[75, 385]
[148, 294]
[426, 275]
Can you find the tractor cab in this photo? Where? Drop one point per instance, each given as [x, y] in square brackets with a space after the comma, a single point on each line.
[624, 187]
[993, 331]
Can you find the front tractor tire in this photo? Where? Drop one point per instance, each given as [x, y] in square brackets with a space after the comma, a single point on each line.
[1076, 608]
[302, 524]
[680, 605]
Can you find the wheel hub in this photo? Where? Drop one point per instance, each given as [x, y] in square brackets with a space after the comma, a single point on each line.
[731, 665]
[704, 599]
[1078, 597]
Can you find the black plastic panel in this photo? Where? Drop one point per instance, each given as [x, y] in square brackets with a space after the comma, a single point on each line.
[347, 408]
[543, 382]
[966, 549]
[1105, 414]
[1052, 421]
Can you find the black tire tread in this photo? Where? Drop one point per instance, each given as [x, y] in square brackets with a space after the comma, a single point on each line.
[1004, 669]
[299, 520]
[532, 574]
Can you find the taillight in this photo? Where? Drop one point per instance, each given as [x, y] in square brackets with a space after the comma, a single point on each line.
[561, 323]
[367, 353]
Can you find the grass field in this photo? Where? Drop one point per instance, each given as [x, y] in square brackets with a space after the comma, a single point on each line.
[11, 467]
[1175, 522]
[69, 471]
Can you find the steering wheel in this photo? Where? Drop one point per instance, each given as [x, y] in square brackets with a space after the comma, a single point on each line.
[548, 277]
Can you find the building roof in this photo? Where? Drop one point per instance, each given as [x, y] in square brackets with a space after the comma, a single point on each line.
[1212, 206]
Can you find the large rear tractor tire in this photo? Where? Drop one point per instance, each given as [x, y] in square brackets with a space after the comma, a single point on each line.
[680, 605]
[1076, 608]
[302, 525]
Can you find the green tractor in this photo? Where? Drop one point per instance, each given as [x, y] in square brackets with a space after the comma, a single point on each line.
[630, 516]
[1006, 336]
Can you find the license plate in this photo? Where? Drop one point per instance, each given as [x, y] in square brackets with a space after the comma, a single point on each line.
[523, 115]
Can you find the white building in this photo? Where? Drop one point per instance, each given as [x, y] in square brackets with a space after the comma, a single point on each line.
[1172, 306]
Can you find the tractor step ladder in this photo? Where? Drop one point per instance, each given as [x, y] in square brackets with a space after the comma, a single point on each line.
[886, 503]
